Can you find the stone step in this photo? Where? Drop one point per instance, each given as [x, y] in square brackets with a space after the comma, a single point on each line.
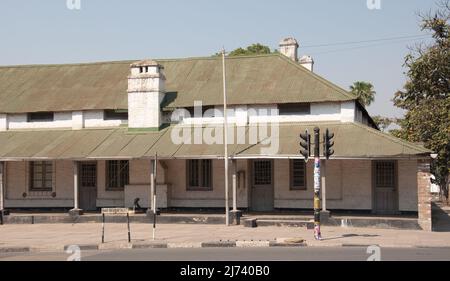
[277, 222]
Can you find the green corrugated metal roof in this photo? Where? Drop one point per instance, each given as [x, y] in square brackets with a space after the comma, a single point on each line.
[250, 80]
[352, 140]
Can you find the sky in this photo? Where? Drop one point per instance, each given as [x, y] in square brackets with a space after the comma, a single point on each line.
[51, 31]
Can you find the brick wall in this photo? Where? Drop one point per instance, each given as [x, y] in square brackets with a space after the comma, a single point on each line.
[423, 194]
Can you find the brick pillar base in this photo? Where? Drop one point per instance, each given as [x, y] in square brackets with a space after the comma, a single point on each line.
[424, 194]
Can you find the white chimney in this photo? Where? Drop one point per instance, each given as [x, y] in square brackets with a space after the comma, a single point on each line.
[146, 90]
[289, 47]
[307, 62]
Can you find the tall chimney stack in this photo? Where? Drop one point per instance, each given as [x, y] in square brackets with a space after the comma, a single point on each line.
[307, 62]
[146, 90]
[289, 47]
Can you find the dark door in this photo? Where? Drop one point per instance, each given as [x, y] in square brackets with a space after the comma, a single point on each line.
[262, 186]
[88, 186]
[385, 187]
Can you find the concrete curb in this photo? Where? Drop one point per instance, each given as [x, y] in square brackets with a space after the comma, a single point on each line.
[219, 244]
[5, 250]
[209, 244]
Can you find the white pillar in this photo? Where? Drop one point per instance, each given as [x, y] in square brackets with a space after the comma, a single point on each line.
[76, 211]
[76, 205]
[324, 188]
[2, 192]
[152, 185]
[234, 184]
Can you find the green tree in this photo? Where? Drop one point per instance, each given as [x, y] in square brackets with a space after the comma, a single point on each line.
[364, 91]
[254, 49]
[426, 94]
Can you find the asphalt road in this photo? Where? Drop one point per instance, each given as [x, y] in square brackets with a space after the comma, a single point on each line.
[243, 254]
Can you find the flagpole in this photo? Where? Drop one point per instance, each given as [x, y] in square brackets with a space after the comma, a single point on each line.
[225, 136]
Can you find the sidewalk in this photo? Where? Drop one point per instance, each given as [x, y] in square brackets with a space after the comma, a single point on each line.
[51, 237]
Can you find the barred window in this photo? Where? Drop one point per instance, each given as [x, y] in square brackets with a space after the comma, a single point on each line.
[110, 114]
[298, 174]
[40, 117]
[385, 174]
[117, 174]
[262, 172]
[294, 109]
[41, 176]
[199, 174]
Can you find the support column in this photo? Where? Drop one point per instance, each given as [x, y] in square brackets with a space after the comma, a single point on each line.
[3, 212]
[2, 189]
[76, 211]
[151, 204]
[324, 214]
[235, 214]
[424, 194]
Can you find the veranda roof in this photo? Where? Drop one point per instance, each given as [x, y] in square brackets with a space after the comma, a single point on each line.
[352, 140]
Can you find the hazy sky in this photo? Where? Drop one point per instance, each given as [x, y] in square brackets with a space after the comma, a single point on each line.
[37, 31]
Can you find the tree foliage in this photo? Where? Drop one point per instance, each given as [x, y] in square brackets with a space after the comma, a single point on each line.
[364, 91]
[254, 49]
[426, 94]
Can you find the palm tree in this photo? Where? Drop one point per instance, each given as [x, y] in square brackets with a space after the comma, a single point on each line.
[364, 91]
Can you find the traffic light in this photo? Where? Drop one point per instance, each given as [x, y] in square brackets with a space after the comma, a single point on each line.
[305, 143]
[328, 143]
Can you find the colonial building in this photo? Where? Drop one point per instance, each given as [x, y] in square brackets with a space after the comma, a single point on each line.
[86, 136]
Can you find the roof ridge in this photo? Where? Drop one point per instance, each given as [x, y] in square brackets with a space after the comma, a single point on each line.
[318, 77]
[395, 139]
[133, 60]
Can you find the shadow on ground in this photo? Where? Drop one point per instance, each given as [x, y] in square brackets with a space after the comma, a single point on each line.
[441, 218]
[350, 235]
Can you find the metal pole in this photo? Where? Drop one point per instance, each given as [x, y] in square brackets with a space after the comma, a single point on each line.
[2, 198]
[317, 234]
[154, 196]
[103, 227]
[154, 216]
[225, 136]
[128, 225]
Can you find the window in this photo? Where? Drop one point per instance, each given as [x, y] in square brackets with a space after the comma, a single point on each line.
[294, 109]
[262, 172]
[385, 174]
[199, 174]
[117, 174]
[40, 117]
[298, 174]
[211, 112]
[111, 114]
[41, 176]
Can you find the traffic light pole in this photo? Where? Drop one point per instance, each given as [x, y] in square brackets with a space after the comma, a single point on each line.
[317, 234]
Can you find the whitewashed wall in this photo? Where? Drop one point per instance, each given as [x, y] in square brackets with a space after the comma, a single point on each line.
[327, 111]
[75, 120]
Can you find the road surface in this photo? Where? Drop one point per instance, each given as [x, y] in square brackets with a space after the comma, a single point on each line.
[243, 254]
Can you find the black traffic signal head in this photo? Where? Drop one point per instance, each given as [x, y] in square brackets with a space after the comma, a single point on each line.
[328, 143]
[305, 144]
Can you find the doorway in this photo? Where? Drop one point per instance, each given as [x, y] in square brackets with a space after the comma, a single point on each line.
[262, 193]
[385, 187]
[88, 186]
